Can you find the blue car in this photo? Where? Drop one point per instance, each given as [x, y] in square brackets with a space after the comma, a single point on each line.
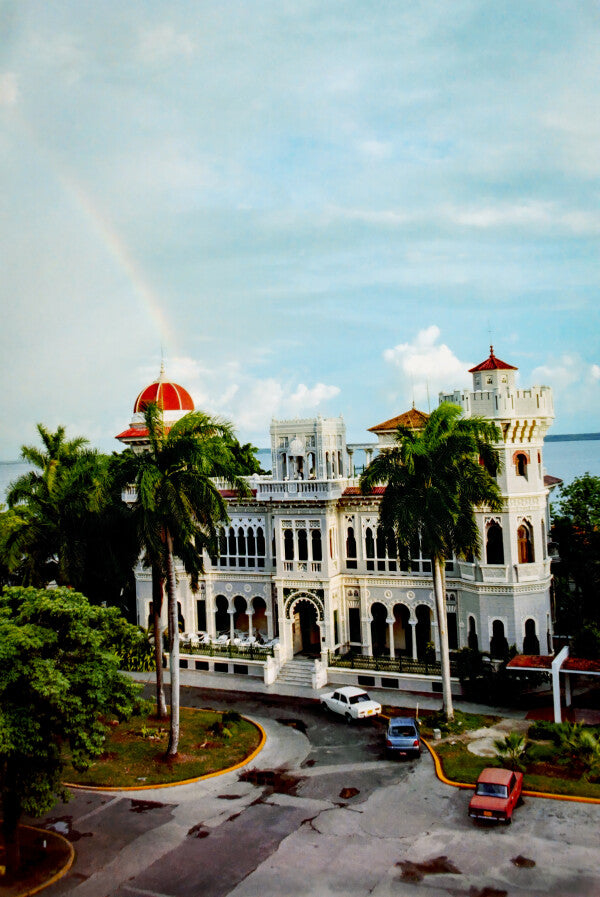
[402, 737]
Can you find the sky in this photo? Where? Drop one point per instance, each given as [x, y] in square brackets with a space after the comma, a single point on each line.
[303, 207]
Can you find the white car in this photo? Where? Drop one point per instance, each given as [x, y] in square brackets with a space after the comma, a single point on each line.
[352, 703]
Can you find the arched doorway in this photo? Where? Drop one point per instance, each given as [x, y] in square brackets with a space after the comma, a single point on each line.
[221, 615]
[402, 630]
[306, 634]
[423, 630]
[379, 629]
[531, 643]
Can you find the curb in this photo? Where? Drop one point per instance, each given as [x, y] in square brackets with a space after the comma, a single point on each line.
[57, 875]
[208, 775]
[543, 794]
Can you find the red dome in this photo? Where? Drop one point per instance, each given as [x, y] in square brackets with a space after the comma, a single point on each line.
[167, 395]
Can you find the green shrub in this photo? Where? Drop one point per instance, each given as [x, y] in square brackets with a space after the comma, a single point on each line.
[231, 716]
[510, 750]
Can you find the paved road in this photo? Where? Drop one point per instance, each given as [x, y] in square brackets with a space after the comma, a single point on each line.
[331, 816]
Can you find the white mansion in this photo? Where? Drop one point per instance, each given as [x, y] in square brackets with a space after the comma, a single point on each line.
[303, 558]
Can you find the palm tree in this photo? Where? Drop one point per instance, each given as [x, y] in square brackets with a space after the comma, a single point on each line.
[435, 478]
[511, 749]
[49, 498]
[179, 508]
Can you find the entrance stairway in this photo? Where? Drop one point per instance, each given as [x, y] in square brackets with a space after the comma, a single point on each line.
[297, 672]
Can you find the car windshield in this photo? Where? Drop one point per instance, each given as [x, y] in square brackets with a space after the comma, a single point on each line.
[357, 699]
[489, 789]
[406, 731]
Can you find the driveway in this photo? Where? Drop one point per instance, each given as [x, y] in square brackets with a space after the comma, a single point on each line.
[320, 812]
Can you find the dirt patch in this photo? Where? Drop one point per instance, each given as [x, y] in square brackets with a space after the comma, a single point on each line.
[277, 781]
[415, 872]
[198, 831]
[63, 825]
[486, 892]
[142, 806]
[294, 724]
[229, 796]
[345, 793]
[523, 862]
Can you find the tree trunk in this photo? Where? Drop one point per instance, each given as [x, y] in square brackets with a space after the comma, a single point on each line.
[157, 599]
[439, 591]
[173, 745]
[11, 813]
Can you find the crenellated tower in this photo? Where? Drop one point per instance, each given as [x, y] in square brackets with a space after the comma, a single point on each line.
[513, 562]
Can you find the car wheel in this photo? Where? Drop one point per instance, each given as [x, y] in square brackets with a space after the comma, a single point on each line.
[508, 820]
[348, 718]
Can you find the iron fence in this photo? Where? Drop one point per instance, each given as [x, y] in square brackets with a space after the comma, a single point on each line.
[382, 664]
[247, 652]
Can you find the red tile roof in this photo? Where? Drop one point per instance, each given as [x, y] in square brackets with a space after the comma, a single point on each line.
[167, 395]
[355, 490]
[531, 662]
[136, 433]
[414, 419]
[551, 481]
[492, 364]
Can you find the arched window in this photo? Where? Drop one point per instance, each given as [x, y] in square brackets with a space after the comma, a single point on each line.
[350, 549]
[222, 547]
[260, 545]
[525, 543]
[241, 545]
[317, 547]
[232, 543]
[498, 643]
[369, 548]
[521, 464]
[494, 548]
[251, 543]
[288, 545]
[302, 545]
[472, 636]
[381, 548]
[531, 643]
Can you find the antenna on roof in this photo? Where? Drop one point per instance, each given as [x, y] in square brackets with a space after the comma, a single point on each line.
[162, 362]
[428, 402]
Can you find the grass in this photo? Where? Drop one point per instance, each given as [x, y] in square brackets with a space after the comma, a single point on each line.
[38, 862]
[546, 770]
[134, 752]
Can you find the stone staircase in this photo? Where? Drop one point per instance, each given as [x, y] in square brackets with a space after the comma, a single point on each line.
[297, 672]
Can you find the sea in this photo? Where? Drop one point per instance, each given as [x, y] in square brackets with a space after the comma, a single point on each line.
[565, 459]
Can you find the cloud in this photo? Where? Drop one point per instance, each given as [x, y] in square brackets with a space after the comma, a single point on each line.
[560, 373]
[595, 371]
[163, 43]
[9, 89]
[426, 366]
[233, 392]
[376, 149]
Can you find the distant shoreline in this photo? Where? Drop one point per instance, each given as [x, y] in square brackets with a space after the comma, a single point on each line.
[572, 437]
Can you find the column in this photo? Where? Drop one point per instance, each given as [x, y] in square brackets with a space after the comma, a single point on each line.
[390, 623]
[366, 631]
[249, 621]
[231, 627]
[413, 626]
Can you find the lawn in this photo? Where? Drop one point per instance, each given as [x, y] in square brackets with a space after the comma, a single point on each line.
[43, 854]
[547, 767]
[134, 753]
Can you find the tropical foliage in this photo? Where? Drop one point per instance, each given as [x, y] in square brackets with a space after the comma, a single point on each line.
[576, 530]
[67, 523]
[179, 509]
[511, 750]
[59, 675]
[435, 478]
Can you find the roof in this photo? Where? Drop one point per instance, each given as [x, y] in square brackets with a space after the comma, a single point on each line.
[531, 662]
[169, 396]
[552, 481]
[356, 490]
[413, 419]
[136, 433]
[544, 662]
[492, 364]
[495, 776]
